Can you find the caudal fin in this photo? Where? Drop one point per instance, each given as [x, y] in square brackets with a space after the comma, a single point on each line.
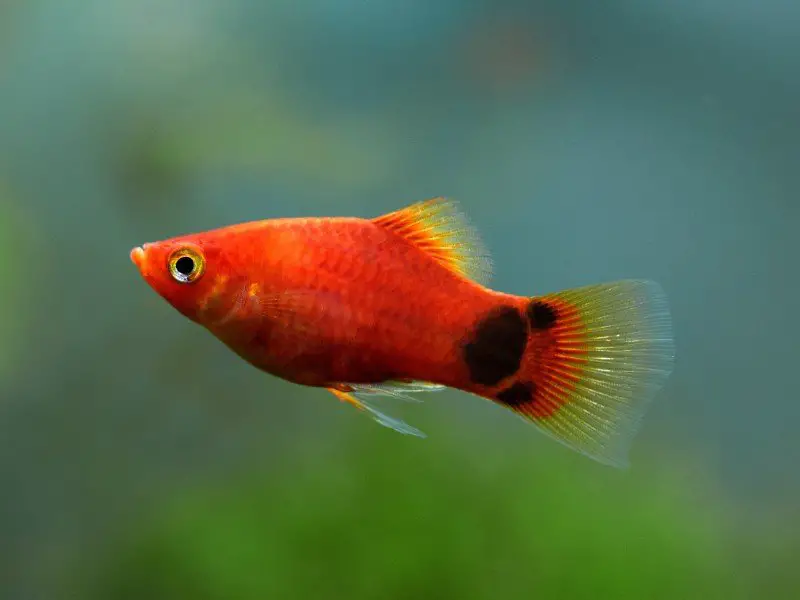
[595, 359]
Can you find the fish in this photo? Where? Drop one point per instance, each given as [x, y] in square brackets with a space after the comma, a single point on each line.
[398, 305]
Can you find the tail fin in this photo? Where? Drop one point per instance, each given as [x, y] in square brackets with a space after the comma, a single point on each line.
[595, 359]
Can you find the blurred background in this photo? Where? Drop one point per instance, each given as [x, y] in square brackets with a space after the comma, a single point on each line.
[588, 141]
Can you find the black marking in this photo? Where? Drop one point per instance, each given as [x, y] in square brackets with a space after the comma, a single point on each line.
[496, 348]
[518, 394]
[541, 315]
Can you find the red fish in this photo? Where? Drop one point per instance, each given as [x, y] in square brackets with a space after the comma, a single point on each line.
[398, 304]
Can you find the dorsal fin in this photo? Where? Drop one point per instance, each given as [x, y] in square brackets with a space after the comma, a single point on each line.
[437, 227]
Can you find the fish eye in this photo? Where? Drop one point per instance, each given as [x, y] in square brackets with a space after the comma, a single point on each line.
[186, 265]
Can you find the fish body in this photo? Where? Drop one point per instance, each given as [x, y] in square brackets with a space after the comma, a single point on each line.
[398, 304]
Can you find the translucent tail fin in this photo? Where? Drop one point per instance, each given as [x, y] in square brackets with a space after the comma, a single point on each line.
[595, 359]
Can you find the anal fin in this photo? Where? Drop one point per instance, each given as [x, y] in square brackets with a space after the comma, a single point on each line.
[400, 390]
[345, 394]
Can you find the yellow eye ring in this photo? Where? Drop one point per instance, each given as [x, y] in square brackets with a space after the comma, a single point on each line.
[186, 265]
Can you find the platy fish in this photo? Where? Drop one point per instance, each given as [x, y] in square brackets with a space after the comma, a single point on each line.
[398, 305]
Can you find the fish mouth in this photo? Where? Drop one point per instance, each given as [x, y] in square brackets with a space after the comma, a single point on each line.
[137, 257]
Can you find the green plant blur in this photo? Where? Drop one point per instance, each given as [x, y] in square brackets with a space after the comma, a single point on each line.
[385, 517]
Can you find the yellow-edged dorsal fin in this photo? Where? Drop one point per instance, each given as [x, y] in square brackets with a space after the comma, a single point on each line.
[440, 229]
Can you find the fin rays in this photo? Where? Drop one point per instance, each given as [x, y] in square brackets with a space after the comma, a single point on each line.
[362, 396]
[440, 229]
[611, 352]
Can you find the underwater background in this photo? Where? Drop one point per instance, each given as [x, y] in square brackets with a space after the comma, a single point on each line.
[588, 141]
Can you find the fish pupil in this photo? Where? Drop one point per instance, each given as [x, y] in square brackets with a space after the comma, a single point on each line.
[184, 265]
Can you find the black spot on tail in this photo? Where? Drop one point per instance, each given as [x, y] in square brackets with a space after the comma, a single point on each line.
[541, 315]
[518, 394]
[496, 348]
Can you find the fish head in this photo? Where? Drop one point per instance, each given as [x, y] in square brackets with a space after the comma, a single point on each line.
[184, 271]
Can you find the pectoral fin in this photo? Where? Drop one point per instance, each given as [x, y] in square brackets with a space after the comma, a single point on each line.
[303, 310]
